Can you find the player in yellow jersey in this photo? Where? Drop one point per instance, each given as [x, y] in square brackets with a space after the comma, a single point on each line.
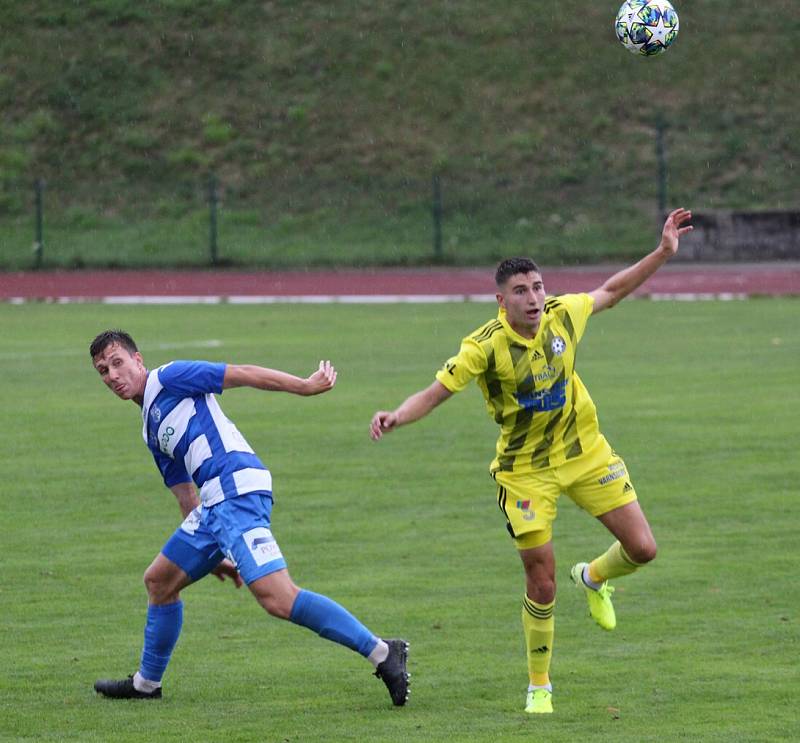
[550, 442]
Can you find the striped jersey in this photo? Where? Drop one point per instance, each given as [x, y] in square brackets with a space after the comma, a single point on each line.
[531, 387]
[190, 437]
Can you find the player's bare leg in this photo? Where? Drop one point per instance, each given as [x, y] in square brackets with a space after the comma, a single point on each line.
[276, 593]
[164, 581]
[280, 597]
[630, 526]
[538, 624]
[635, 547]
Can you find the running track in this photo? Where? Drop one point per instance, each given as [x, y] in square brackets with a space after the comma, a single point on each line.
[676, 281]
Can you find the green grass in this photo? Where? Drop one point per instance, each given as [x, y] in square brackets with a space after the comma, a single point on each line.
[325, 122]
[700, 399]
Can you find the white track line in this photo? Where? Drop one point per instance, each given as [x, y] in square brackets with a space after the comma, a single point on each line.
[26, 355]
[135, 299]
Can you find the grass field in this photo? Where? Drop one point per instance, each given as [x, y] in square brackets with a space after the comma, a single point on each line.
[699, 398]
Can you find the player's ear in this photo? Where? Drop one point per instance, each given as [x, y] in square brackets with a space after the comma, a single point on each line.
[500, 300]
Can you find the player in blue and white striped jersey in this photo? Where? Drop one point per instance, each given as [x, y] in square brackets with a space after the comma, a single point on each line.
[227, 529]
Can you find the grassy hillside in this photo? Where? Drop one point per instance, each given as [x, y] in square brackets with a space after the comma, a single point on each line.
[325, 121]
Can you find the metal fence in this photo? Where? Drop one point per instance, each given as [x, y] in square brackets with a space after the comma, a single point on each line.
[559, 216]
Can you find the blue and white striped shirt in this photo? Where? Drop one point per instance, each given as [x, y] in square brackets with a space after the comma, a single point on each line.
[190, 437]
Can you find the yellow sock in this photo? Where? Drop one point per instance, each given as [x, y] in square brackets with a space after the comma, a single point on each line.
[538, 624]
[612, 564]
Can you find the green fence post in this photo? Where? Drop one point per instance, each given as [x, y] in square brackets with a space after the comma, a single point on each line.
[38, 243]
[661, 157]
[437, 218]
[212, 217]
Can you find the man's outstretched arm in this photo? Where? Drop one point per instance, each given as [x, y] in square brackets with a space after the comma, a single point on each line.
[412, 409]
[621, 284]
[262, 378]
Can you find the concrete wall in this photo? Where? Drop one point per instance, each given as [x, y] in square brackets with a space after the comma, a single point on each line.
[723, 235]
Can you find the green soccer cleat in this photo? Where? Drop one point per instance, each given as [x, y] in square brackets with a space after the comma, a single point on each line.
[539, 702]
[600, 607]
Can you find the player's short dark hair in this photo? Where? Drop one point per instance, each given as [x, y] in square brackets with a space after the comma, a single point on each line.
[108, 338]
[511, 266]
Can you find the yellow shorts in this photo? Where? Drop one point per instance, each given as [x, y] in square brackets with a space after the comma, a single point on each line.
[597, 481]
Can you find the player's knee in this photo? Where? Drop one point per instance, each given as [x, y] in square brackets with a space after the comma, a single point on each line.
[541, 590]
[642, 551]
[277, 606]
[279, 603]
[151, 583]
[158, 589]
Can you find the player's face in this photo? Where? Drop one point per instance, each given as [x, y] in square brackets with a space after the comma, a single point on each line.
[522, 297]
[122, 372]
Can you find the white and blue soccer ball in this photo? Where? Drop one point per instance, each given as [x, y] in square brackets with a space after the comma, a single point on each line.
[646, 27]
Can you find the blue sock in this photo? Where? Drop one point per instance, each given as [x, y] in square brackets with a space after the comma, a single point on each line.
[332, 621]
[160, 635]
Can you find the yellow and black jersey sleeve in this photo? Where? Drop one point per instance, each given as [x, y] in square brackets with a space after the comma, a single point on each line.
[459, 370]
[573, 310]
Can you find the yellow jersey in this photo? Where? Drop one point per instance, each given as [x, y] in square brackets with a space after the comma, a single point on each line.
[531, 387]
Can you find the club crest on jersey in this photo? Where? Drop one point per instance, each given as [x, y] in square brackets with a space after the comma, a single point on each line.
[558, 345]
[156, 413]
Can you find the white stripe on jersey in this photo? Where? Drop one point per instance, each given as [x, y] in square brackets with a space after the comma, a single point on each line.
[231, 439]
[211, 492]
[247, 480]
[250, 480]
[196, 454]
[174, 425]
[151, 389]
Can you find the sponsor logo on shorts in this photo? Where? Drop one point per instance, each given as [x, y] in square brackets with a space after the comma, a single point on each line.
[615, 471]
[262, 545]
[628, 487]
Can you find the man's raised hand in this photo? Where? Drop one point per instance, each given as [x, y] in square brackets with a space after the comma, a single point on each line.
[321, 380]
[675, 227]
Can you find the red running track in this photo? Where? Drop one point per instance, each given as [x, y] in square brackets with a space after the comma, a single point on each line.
[680, 280]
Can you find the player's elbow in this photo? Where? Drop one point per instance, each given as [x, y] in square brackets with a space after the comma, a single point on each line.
[613, 296]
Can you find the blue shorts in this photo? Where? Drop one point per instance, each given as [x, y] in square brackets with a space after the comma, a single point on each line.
[238, 528]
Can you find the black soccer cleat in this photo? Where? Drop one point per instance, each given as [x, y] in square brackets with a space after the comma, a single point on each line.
[124, 689]
[393, 671]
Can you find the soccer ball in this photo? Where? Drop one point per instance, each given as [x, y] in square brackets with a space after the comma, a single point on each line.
[646, 27]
